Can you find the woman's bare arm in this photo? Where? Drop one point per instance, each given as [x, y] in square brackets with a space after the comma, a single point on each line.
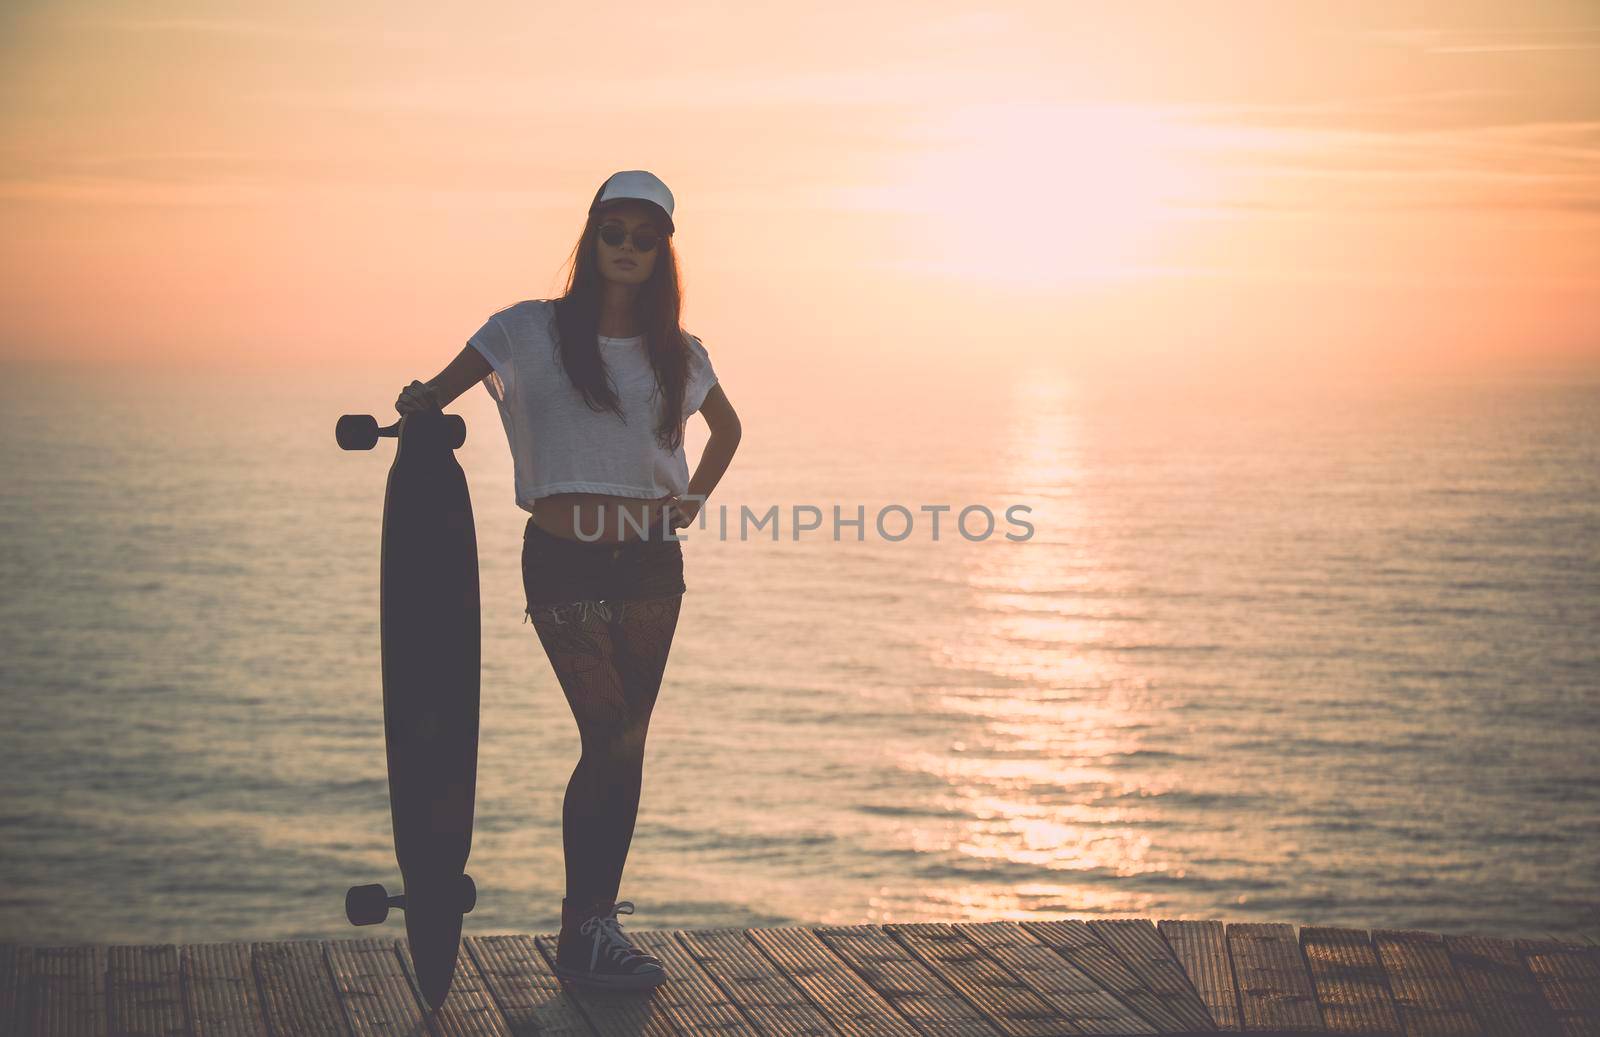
[719, 413]
[468, 369]
[718, 453]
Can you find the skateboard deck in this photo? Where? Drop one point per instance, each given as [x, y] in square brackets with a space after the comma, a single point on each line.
[430, 627]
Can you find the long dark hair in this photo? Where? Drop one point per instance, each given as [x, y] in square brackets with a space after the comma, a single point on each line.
[660, 301]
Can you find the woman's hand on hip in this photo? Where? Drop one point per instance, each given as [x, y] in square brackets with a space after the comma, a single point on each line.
[681, 513]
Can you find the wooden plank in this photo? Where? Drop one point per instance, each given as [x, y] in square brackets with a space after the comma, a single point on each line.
[1077, 999]
[764, 995]
[992, 990]
[8, 989]
[692, 1000]
[1202, 949]
[372, 986]
[905, 982]
[61, 990]
[220, 990]
[1275, 991]
[469, 1009]
[848, 1001]
[1427, 993]
[1352, 991]
[1140, 946]
[608, 1013]
[296, 985]
[1501, 990]
[146, 993]
[1075, 941]
[524, 989]
[1569, 978]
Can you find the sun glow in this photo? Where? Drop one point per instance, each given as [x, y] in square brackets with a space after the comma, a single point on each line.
[1043, 194]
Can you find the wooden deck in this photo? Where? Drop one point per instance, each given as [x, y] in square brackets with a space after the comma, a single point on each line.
[988, 979]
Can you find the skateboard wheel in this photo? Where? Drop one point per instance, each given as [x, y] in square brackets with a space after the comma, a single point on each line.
[357, 431]
[469, 894]
[366, 905]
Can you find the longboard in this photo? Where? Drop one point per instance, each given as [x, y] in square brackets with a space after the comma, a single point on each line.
[430, 625]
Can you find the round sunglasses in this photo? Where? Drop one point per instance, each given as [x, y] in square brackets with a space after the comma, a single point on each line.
[643, 240]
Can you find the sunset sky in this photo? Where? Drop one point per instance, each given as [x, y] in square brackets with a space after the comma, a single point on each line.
[1216, 189]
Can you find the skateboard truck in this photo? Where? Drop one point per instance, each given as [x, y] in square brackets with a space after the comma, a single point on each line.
[361, 431]
[369, 905]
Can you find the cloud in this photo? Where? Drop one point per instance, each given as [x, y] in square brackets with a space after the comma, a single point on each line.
[484, 95]
[250, 28]
[1548, 165]
[1490, 41]
[1424, 111]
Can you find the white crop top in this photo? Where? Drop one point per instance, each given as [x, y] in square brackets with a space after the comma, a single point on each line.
[558, 444]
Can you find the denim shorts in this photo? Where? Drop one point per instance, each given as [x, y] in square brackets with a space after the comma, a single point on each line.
[560, 571]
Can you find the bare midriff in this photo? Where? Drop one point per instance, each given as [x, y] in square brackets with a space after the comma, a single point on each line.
[564, 514]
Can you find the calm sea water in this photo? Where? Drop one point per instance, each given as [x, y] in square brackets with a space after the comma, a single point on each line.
[1324, 661]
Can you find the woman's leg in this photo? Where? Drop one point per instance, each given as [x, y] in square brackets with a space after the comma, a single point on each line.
[609, 658]
[642, 635]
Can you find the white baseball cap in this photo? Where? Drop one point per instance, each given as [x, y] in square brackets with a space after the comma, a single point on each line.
[639, 185]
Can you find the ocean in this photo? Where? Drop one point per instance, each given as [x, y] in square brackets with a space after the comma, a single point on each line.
[1326, 659]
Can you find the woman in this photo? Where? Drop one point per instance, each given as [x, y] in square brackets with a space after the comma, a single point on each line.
[594, 389]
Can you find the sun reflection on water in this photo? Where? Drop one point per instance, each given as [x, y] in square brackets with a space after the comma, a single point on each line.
[1045, 784]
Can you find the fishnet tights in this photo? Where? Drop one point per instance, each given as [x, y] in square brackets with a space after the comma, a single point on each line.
[609, 658]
